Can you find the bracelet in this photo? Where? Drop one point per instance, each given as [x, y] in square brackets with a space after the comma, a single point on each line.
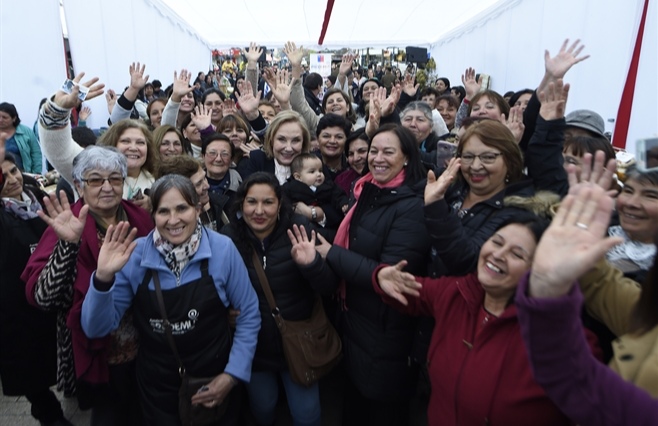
[314, 213]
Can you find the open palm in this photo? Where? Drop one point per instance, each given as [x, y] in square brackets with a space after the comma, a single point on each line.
[117, 247]
[435, 189]
[303, 249]
[59, 216]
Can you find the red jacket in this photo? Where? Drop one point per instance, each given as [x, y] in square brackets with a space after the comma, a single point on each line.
[483, 380]
[90, 355]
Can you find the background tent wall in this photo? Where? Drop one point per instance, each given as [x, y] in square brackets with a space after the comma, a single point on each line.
[105, 37]
[509, 44]
[32, 61]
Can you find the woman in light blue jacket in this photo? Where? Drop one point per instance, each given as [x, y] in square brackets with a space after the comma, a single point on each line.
[201, 275]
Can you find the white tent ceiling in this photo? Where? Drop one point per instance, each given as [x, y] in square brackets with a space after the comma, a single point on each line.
[353, 23]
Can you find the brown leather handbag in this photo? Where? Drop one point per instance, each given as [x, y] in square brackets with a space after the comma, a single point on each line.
[312, 346]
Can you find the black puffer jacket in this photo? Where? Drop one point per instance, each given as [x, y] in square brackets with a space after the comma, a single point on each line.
[387, 227]
[456, 242]
[294, 287]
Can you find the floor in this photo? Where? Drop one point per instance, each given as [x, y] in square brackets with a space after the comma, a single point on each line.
[15, 411]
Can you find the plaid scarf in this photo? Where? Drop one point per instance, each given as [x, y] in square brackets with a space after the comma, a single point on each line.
[176, 257]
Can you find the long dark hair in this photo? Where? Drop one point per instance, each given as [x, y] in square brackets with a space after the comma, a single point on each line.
[414, 171]
[285, 209]
[645, 315]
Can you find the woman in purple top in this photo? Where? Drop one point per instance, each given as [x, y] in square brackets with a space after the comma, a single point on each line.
[549, 307]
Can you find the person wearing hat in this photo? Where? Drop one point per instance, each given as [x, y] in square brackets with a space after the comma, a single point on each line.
[584, 122]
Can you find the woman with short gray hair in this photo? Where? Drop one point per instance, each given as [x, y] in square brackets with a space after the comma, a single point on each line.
[59, 270]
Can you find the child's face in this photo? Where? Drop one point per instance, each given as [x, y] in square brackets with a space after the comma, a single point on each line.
[311, 173]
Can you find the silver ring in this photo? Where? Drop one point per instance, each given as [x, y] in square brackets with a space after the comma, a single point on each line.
[581, 225]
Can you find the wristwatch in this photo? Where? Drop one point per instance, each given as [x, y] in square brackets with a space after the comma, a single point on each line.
[314, 213]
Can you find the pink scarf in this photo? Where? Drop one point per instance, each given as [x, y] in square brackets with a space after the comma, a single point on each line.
[342, 238]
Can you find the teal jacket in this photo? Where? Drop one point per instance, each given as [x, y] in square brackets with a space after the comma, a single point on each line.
[28, 145]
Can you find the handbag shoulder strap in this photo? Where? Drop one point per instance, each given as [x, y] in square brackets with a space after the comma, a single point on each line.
[165, 320]
[264, 283]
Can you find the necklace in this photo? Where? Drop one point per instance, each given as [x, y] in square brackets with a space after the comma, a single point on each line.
[132, 188]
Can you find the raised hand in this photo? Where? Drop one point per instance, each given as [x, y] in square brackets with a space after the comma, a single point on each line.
[303, 250]
[282, 87]
[574, 242]
[117, 247]
[346, 64]
[60, 217]
[396, 283]
[471, 85]
[248, 102]
[374, 112]
[595, 173]
[408, 86]
[553, 100]
[137, 78]
[111, 99]
[201, 117]
[557, 66]
[228, 108]
[248, 147]
[181, 85]
[85, 112]
[270, 77]
[514, 122]
[70, 100]
[293, 53]
[388, 105]
[252, 53]
[435, 189]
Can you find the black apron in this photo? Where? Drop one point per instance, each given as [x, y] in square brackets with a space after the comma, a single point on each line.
[201, 331]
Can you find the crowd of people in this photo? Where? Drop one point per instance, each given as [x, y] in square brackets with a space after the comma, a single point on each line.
[452, 234]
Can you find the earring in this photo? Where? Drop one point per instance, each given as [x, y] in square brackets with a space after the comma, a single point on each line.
[405, 164]
[507, 179]
[278, 215]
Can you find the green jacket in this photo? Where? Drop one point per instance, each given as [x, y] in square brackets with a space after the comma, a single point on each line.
[28, 145]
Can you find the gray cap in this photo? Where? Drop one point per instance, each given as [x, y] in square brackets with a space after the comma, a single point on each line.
[588, 120]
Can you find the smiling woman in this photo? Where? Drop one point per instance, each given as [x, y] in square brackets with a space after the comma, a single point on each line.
[175, 256]
[637, 206]
[135, 141]
[286, 137]
[28, 365]
[57, 279]
[494, 384]
[462, 215]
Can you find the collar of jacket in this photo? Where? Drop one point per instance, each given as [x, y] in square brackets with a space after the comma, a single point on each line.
[471, 290]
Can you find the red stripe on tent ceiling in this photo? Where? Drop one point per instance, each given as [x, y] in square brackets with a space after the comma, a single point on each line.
[327, 17]
[626, 103]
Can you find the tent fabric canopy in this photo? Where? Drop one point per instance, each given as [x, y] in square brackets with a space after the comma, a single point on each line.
[354, 24]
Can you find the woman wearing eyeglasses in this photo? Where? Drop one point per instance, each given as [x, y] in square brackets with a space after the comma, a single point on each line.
[217, 151]
[27, 334]
[101, 371]
[467, 202]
